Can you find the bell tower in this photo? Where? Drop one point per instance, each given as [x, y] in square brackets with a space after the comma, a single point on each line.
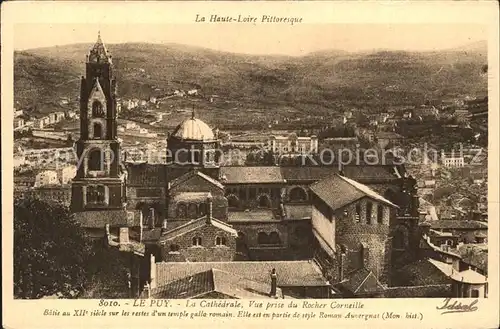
[99, 181]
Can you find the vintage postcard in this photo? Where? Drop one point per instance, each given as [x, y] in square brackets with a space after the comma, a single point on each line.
[203, 164]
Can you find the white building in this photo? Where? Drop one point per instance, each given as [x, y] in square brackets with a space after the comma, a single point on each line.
[451, 160]
[292, 144]
[47, 177]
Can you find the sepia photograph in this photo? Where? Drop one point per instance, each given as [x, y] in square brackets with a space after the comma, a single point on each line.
[249, 156]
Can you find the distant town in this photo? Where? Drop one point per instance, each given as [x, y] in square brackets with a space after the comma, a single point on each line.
[280, 212]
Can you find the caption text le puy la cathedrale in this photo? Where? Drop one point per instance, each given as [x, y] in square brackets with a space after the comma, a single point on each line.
[191, 309]
[213, 18]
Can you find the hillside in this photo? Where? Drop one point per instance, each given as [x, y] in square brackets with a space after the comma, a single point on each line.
[321, 83]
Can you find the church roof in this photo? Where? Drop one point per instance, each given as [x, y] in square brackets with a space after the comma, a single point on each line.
[289, 273]
[145, 174]
[115, 218]
[307, 173]
[214, 280]
[338, 191]
[193, 129]
[190, 174]
[99, 53]
[195, 224]
[249, 175]
[275, 174]
[361, 281]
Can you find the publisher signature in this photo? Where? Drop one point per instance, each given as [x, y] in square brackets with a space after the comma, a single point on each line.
[455, 306]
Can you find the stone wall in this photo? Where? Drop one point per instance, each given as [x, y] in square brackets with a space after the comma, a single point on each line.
[208, 251]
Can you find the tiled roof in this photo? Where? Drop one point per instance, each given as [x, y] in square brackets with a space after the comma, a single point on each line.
[388, 134]
[255, 215]
[115, 218]
[370, 172]
[195, 224]
[458, 224]
[307, 173]
[468, 276]
[338, 191]
[214, 280]
[187, 287]
[191, 196]
[361, 281]
[249, 175]
[297, 211]
[145, 174]
[289, 273]
[190, 174]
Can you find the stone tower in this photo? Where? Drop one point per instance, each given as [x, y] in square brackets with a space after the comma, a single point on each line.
[99, 181]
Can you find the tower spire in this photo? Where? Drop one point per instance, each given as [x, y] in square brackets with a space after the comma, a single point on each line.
[99, 53]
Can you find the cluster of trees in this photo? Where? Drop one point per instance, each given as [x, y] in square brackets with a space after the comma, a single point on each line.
[53, 256]
[23, 133]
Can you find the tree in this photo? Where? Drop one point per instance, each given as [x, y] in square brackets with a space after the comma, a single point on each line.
[50, 250]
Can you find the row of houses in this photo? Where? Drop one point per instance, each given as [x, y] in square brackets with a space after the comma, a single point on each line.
[43, 122]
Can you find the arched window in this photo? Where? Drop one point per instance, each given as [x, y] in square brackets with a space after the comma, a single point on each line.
[192, 210]
[298, 194]
[380, 214]
[262, 238]
[274, 238]
[96, 160]
[196, 241]
[97, 131]
[174, 248]
[357, 215]
[369, 208]
[220, 241]
[181, 210]
[97, 111]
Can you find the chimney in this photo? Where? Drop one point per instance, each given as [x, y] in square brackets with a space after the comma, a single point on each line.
[164, 226]
[209, 210]
[152, 272]
[124, 237]
[274, 283]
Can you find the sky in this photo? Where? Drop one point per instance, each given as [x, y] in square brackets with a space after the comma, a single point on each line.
[294, 40]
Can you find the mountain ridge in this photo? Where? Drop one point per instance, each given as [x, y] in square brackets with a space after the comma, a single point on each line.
[319, 82]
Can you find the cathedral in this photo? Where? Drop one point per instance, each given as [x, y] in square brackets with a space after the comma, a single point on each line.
[320, 230]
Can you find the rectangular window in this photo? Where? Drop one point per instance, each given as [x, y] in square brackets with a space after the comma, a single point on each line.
[357, 215]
